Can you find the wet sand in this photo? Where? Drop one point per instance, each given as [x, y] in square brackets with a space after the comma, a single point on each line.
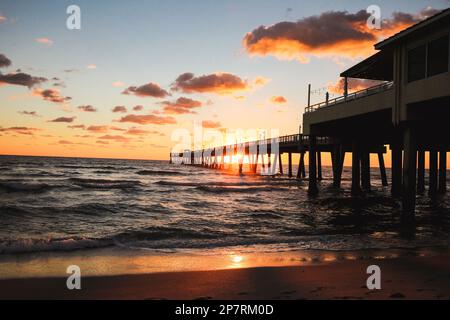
[402, 278]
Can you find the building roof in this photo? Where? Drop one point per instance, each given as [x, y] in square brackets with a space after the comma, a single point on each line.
[406, 32]
[376, 67]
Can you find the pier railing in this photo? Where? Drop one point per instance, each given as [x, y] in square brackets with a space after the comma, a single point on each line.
[352, 96]
[283, 141]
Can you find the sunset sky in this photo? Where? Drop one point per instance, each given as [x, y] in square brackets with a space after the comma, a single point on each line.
[138, 70]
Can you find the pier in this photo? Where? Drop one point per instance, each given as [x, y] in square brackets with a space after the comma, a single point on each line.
[408, 111]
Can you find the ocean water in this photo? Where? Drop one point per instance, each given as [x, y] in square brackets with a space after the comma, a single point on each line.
[66, 204]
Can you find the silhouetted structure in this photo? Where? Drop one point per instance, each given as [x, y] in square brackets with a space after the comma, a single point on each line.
[409, 111]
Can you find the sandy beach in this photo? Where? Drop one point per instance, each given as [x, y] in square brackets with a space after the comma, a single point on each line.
[402, 278]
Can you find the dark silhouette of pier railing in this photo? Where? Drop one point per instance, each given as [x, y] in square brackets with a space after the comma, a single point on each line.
[271, 150]
[352, 96]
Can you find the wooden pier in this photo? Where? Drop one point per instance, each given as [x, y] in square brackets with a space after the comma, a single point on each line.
[267, 154]
[409, 111]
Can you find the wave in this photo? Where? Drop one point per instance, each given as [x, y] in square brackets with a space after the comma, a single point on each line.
[219, 190]
[25, 187]
[228, 184]
[114, 168]
[157, 173]
[39, 245]
[164, 233]
[104, 183]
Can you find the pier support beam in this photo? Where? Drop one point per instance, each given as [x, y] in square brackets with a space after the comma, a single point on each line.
[301, 166]
[409, 171]
[290, 164]
[280, 163]
[396, 169]
[312, 188]
[384, 179]
[420, 171]
[255, 166]
[365, 169]
[335, 160]
[356, 169]
[319, 166]
[432, 190]
[442, 171]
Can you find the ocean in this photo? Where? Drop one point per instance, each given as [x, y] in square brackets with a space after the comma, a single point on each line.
[67, 204]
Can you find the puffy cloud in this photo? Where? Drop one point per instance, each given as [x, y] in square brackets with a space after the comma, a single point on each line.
[353, 85]
[52, 95]
[219, 83]
[45, 41]
[20, 130]
[332, 33]
[208, 124]
[181, 106]
[119, 109]
[278, 100]
[29, 113]
[261, 81]
[148, 119]
[4, 61]
[87, 108]
[147, 90]
[63, 119]
[138, 108]
[21, 79]
[98, 129]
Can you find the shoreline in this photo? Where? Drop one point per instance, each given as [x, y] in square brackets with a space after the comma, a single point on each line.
[405, 274]
[406, 277]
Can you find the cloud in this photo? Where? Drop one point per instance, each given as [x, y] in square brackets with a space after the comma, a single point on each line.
[4, 61]
[45, 41]
[3, 18]
[78, 126]
[70, 70]
[20, 130]
[353, 85]
[147, 90]
[181, 106]
[119, 109]
[140, 132]
[87, 108]
[65, 142]
[148, 119]
[63, 119]
[102, 142]
[52, 95]
[29, 113]
[330, 34]
[115, 138]
[98, 129]
[91, 67]
[218, 83]
[261, 81]
[118, 84]
[117, 129]
[278, 100]
[21, 79]
[208, 124]
[138, 108]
